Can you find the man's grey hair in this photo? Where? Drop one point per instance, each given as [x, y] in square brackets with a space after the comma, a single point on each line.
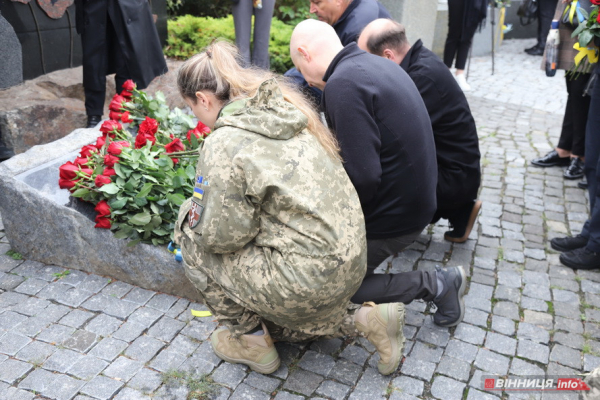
[393, 37]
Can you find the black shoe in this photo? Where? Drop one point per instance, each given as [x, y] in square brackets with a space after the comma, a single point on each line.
[583, 184]
[537, 51]
[575, 169]
[450, 303]
[551, 159]
[568, 243]
[93, 120]
[462, 222]
[581, 259]
[532, 48]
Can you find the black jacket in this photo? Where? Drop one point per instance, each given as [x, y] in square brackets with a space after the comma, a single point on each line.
[358, 15]
[454, 131]
[387, 145]
[134, 27]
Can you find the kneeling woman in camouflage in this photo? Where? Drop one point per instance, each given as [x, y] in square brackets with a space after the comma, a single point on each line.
[274, 237]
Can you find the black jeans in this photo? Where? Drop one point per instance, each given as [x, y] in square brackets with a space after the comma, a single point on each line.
[572, 136]
[402, 287]
[456, 44]
[545, 13]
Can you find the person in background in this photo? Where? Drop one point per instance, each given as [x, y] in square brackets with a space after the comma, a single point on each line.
[454, 130]
[117, 36]
[262, 10]
[464, 17]
[570, 150]
[544, 17]
[274, 236]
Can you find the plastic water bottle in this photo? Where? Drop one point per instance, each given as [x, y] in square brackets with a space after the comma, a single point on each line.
[552, 49]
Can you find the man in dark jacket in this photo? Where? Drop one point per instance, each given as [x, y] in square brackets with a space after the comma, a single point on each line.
[388, 150]
[454, 131]
[117, 37]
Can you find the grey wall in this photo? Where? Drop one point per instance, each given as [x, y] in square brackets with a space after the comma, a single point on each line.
[418, 16]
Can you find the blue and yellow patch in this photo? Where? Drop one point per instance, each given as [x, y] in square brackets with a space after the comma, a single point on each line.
[198, 193]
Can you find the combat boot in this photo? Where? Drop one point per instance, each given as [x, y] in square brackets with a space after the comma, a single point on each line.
[383, 326]
[256, 351]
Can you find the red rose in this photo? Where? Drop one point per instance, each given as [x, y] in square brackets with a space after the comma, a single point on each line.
[149, 126]
[117, 103]
[175, 145]
[129, 85]
[87, 171]
[598, 19]
[110, 161]
[102, 208]
[115, 148]
[200, 131]
[115, 116]
[110, 126]
[102, 222]
[86, 151]
[81, 160]
[175, 160]
[68, 171]
[100, 142]
[142, 138]
[67, 184]
[108, 172]
[127, 95]
[102, 180]
[125, 118]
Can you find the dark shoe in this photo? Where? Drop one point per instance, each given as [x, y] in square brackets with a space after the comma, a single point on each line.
[583, 184]
[462, 223]
[575, 169]
[450, 303]
[532, 48]
[538, 51]
[581, 259]
[551, 159]
[568, 243]
[93, 120]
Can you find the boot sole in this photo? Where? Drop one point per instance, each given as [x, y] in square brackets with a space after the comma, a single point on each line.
[472, 218]
[461, 300]
[394, 330]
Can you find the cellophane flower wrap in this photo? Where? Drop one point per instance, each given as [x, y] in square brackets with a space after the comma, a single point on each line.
[137, 175]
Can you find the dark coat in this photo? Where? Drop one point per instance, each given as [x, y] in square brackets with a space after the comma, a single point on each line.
[454, 130]
[136, 34]
[358, 15]
[385, 136]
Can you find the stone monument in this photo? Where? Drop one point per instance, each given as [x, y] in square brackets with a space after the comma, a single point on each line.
[419, 18]
[11, 62]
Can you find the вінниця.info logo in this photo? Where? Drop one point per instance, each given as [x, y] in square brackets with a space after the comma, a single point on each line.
[533, 383]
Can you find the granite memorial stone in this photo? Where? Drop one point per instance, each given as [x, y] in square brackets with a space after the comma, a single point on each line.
[11, 61]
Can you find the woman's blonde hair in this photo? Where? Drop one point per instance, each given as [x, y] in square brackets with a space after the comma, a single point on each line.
[218, 70]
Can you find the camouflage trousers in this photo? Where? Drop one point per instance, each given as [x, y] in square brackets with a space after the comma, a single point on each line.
[241, 289]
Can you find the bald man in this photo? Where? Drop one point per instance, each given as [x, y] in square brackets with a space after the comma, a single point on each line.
[454, 131]
[387, 145]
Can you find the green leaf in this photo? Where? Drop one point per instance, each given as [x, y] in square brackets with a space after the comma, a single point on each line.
[161, 232]
[160, 96]
[140, 201]
[120, 182]
[155, 208]
[140, 219]
[190, 172]
[133, 242]
[109, 188]
[145, 190]
[178, 182]
[176, 199]
[121, 234]
[80, 192]
[585, 38]
[117, 204]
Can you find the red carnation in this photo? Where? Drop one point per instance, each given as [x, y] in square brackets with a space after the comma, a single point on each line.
[68, 171]
[115, 148]
[175, 145]
[67, 184]
[110, 161]
[108, 172]
[117, 103]
[142, 138]
[129, 85]
[86, 151]
[100, 142]
[125, 118]
[102, 208]
[102, 222]
[101, 180]
[81, 160]
[110, 126]
[149, 126]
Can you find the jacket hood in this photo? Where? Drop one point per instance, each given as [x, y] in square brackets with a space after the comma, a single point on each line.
[266, 113]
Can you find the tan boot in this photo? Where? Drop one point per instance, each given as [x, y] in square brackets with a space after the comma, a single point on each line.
[256, 351]
[383, 326]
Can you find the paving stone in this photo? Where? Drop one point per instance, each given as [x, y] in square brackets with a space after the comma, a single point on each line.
[304, 382]
[566, 310]
[145, 316]
[10, 319]
[433, 334]
[317, 362]
[144, 348]
[345, 372]
[31, 286]
[590, 362]
[328, 346]
[110, 305]
[372, 385]
[454, 368]
[146, 380]
[569, 339]
[12, 370]
[461, 350]
[507, 293]
[503, 325]
[54, 312]
[30, 306]
[537, 318]
[183, 345]
[54, 386]
[101, 387]
[288, 396]
[476, 317]
[31, 327]
[491, 362]
[590, 287]
[35, 352]
[481, 278]
[568, 325]
[162, 302]
[87, 367]
[481, 291]
[10, 281]
[427, 352]
[532, 332]
[244, 391]
[592, 315]
[333, 390]
[81, 341]
[533, 351]
[129, 331]
[230, 375]
[469, 333]
[262, 382]
[123, 369]
[356, 354]
[93, 283]
[416, 368]
[62, 360]
[11, 343]
[566, 356]
[166, 328]
[103, 325]
[407, 385]
[446, 388]
[537, 292]
[412, 317]
[534, 304]
[117, 289]
[108, 348]
[509, 278]
[200, 330]
[76, 318]
[167, 360]
[501, 344]
[130, 394]
[507, 309]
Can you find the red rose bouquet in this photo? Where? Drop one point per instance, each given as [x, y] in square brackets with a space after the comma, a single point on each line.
[137, 176]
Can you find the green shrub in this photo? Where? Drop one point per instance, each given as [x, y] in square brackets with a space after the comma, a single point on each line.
[188, 35]
[289, 11]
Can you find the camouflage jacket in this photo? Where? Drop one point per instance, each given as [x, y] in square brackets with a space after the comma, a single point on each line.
[262, 178]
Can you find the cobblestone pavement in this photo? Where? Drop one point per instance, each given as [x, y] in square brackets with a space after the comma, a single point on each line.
[65, 336]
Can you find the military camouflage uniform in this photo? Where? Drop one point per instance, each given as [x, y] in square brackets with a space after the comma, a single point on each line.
[275, 229]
